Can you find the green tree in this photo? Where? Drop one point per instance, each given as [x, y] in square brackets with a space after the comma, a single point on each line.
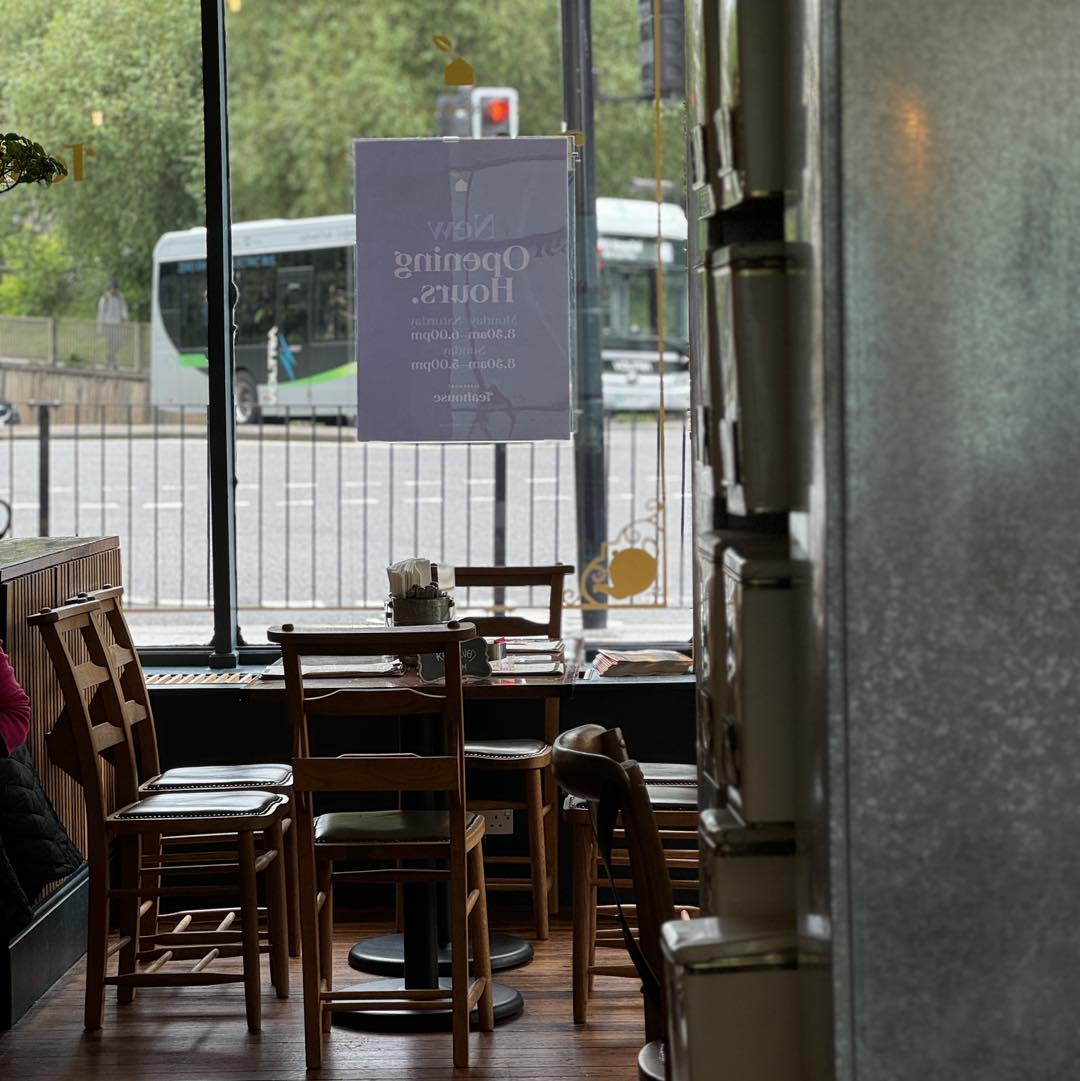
[303, 84]
[305, 79]
[39, 278]
[138, 174]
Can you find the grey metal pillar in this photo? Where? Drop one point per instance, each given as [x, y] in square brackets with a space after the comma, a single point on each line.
[219, 297]
[588, 390]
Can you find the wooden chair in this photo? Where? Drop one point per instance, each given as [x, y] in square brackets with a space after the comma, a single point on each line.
[529, 757]
[93, 734]
[674, 804]
[591, 764]
[451, 837]
[265, 776]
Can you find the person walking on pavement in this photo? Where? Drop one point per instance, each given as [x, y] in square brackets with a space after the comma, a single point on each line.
[112, 310]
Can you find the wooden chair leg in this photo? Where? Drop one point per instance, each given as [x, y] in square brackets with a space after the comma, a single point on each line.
[584, 863]
[310, 952]
[551, 799]
[292, 892]
[249, 931]
[128, 905]
[459, 965]
[537, 851]
[593, 901]
[325, 875]
[277, 915]
[97, 933]
[151, 851]
[481, 943]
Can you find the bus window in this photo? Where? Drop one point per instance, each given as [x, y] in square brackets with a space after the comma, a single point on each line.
[194, 309]
[294, 306]
[629, 303]
[170, 301]
[333, 301]
[255, 303]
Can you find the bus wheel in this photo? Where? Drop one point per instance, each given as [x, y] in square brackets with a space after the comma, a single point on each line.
[245, 398]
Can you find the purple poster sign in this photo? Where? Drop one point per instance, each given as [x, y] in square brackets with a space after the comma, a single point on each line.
[463, 289]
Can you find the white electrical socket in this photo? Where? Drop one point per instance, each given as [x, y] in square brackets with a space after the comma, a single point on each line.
[499, 821]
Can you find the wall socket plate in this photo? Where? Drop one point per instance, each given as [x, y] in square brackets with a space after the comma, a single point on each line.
[499, 821]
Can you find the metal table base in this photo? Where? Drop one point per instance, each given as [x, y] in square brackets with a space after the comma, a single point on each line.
[384, 954]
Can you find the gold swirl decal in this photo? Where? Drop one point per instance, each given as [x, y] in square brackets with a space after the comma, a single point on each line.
[627, 566]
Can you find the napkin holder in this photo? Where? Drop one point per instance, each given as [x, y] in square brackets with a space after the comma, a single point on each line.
[418, 611]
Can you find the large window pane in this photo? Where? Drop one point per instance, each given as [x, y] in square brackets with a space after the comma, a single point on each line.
[114, 87]
[319, 515]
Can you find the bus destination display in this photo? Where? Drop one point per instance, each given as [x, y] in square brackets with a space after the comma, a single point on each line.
[463, 290]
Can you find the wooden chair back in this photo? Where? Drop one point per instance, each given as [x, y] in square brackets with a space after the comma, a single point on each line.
[442, 772]
[592, 763]
[95, 725]
[551, 577]
[131, 679]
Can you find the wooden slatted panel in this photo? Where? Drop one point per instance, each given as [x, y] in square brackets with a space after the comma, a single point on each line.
[23, 596]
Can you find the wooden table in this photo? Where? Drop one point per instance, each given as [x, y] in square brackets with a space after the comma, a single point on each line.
[416, 958]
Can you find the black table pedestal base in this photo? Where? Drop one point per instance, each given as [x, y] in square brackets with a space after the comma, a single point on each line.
[383, 955]
[508, 1003]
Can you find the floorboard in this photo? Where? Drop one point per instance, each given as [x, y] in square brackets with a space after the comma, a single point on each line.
[200, 1033]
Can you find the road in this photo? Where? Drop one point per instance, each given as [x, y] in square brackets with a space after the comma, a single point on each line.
[319, 515]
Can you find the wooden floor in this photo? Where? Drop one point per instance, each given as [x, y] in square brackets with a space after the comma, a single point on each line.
[191, 1032]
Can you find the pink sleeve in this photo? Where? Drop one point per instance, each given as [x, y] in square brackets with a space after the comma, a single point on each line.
[14, 708]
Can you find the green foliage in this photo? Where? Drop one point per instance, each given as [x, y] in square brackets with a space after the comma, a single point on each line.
[139, 173]
[39, 278]
[25, 162]
[305, 79]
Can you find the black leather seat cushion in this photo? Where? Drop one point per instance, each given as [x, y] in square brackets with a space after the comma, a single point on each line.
[662, 798]
[385, 827]
[264, 774]
[505, 748]
[669, 773]
[201, 805]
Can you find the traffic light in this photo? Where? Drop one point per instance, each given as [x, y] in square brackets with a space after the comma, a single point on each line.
[672, 49]
[494, 111]
[453, 114]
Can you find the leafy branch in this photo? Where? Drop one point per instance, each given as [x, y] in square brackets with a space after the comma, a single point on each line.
[25, 162]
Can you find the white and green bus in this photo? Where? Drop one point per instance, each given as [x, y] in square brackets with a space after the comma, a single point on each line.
[627, 251]
[295, 340]
[294, 317]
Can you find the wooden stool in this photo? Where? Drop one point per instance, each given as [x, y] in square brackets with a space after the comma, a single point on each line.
[531, 758]
[675, 809]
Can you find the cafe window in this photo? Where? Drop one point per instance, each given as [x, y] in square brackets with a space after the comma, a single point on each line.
[115, 91]
[319, 515]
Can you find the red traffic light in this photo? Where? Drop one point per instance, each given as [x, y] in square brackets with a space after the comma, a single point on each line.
[498, 110]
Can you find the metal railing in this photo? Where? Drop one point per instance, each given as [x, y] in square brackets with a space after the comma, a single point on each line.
[75, 343]
[319, 515]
